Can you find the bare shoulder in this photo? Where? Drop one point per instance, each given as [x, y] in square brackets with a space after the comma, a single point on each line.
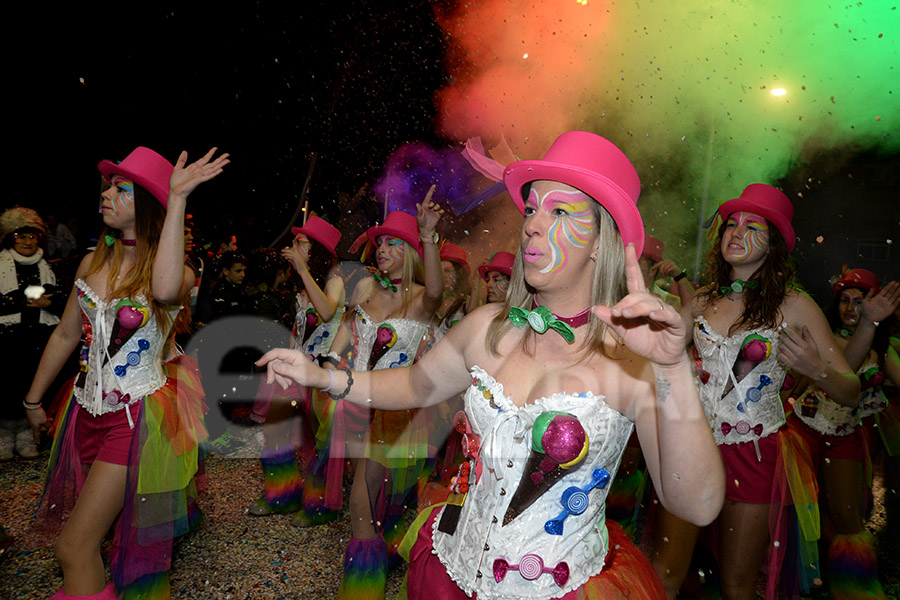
[84, 264]
[699, 301]
[797, 304]
[363, 291]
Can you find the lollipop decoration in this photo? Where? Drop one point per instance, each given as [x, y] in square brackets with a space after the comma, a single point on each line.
[872, 377]
[575, 501]
[130, 316]
[558, 442]
[530, 568]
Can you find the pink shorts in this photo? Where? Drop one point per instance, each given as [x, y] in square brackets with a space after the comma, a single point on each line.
[106, 438]
[846, 447]
[747, 478]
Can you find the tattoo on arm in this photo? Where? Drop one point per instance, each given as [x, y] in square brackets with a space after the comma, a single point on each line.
[663, 389]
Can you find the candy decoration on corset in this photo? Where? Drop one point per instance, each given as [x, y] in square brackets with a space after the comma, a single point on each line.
[558, 442]
[530, 567]
[575, 501]
[312, 321]
[130, 316]
[385, 338]
[754, 349]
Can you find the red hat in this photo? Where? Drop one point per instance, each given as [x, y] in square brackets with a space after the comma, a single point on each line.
[653, 248]
[501, 262]
[856, 278]
[145, 168]
[398, 224]
[320, 230]
[593, 165]
[454, 254]
[765, 201]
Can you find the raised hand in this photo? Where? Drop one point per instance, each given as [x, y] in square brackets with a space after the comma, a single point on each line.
[799, 352]
[666, 268]
[428, 214]
[880, 306]
[185, 179]
[285, 366]
[644, 323]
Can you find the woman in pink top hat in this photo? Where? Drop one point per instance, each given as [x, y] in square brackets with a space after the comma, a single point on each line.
[126, 451]
[320, 310]
[496, 274]
[555, 379]
[455, 267]
[750, 323]
[391, 315]
[837, 436]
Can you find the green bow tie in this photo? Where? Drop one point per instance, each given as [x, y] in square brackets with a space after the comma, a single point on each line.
[737, 286]
[541, 319]
[110, 240]
[385, 282]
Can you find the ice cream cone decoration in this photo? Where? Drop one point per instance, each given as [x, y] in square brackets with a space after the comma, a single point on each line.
[558, 442]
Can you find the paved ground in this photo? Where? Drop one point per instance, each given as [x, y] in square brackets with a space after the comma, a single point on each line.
[237, 556]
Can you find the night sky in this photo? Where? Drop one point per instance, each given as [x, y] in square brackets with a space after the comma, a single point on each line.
[272, 83]
[278, 84]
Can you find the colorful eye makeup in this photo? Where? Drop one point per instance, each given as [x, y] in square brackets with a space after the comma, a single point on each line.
[756, 233]
[573, 222]
[124, 197]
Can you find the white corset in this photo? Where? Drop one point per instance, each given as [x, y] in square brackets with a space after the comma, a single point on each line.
[118, 365]
[739, 416]
[318, 341]
[396, 340]
[480, 539]
[824, 415]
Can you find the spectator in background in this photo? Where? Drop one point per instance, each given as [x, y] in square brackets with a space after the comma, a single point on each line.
[29, 310]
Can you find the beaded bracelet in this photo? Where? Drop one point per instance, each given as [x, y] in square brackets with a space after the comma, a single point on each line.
[349, 384]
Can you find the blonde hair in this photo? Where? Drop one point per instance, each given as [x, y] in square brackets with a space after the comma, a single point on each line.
[413, 272]
[608, 286]
[149, 216]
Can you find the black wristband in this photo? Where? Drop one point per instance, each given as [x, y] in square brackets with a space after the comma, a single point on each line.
[680, 276]
[346, 391]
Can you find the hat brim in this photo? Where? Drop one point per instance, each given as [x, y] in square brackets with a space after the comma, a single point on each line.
[108, 168]
[373, 234]
[781, 223]
[483, 270]
[603, 190]
[314, 235]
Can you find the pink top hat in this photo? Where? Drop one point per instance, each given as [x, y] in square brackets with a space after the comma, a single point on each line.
[502, 262]
[398, 224]
[857, 278]
[145, 168]
[593, 165]
[455, 254]
[320, 230]
[768, 202]
[653, 248]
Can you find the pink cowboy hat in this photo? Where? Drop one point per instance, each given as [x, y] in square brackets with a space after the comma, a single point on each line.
[593, 165]
[653, 248]
[455, 254]
[398, 224]
[768, 202]
[501, 262]
[146, 168]
[862, 279]
[320, 230]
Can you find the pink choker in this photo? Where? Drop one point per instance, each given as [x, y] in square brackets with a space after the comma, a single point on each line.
[126, 242]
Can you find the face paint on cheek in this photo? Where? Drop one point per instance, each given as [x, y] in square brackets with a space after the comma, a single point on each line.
[124, 197]
[755, 238]
[571, 229]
